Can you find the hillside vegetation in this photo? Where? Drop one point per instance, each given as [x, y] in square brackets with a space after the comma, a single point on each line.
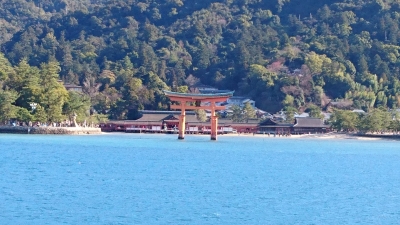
[290, 54]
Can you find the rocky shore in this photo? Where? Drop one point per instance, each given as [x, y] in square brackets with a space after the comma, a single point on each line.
[49, 130]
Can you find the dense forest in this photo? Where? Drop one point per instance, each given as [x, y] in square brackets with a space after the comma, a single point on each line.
[285, 54]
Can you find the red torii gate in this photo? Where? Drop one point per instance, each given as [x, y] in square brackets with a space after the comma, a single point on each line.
[184, 98]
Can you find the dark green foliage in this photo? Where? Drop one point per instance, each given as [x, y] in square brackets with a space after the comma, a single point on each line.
[7, 109]
[77, 103]
[125, 53]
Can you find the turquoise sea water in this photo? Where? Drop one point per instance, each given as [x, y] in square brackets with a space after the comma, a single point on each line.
[156, 179]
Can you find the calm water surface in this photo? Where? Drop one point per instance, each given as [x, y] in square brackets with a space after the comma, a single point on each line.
[156, 179]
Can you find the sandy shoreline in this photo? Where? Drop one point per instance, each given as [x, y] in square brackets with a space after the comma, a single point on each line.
[97, 131]
[332, 135]
[335, 136]
[321, 136]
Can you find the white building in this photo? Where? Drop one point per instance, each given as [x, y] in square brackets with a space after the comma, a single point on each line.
[240, 101]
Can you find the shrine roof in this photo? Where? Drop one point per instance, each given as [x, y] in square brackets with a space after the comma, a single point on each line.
[310, 122]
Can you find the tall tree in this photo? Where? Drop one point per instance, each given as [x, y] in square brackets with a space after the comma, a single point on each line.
[53, 94]
[7, 109]
[248, 112]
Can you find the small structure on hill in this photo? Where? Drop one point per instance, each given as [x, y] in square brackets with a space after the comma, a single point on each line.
[73, 87]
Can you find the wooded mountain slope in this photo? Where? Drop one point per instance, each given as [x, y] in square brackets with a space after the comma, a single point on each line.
[289, 54]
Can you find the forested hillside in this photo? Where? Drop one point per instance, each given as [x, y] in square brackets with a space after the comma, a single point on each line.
[290, 54]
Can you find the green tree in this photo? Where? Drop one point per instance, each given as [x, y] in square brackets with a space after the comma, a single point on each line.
[289, 112]
[394, 125]
[39, 115]
[23, 115]
[53, 94]
[26, 82]
[288, 101]
[77, 103]
[7, 109]
[248, 112]
[314, 111]
[317, 95]
[201, 115]
[258, 79]
[316, 63]
[5, 69]
[375, 121]
[237, 114]
[131, 102]
[344, 120]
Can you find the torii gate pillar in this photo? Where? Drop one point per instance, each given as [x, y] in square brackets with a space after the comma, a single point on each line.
[181, 126]
[214, 124]
[183, 98]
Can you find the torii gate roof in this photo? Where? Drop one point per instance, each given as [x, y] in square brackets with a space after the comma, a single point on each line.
[191, 96]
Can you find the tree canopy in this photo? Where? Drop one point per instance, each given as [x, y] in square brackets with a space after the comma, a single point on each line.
[124, 53]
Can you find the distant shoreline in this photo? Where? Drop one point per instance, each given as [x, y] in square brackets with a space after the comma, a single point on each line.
[332, 135]
[49, 130]
[90, 130]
